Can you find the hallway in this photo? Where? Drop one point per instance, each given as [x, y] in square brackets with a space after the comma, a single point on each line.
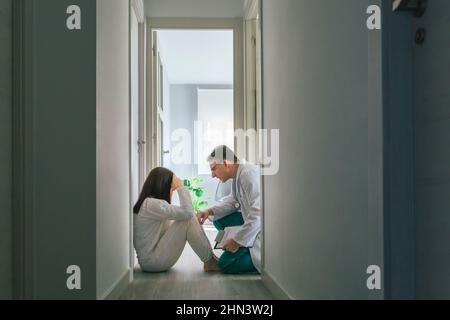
[352, 201]
[187, 281]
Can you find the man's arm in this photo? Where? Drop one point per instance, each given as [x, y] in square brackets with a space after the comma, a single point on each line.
[228, 206]
[251, 196]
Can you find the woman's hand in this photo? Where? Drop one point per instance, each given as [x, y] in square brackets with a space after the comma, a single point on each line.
[176, 183]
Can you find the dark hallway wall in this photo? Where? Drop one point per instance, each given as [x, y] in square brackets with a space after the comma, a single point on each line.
[399, 222]
[5, 149]
[64, 144]
[432, 113]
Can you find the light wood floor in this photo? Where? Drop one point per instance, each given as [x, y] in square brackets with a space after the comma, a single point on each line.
[187, 281]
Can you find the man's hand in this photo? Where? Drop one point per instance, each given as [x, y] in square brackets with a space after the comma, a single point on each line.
[203, 215]
[231, 246]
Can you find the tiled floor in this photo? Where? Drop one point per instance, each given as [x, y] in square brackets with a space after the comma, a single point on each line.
[187, 281]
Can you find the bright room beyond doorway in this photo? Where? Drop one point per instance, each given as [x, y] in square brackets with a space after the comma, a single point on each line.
[195, 101]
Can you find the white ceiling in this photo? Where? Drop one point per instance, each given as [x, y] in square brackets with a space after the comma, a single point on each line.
[197, 56]
[194, 8]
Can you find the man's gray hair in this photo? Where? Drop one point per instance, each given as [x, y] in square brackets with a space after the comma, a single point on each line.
[222, 153]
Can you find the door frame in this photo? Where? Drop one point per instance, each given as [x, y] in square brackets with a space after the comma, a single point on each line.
[157, 102]
[236, 25]
[252, 53]
[253, 87]
[137, 9]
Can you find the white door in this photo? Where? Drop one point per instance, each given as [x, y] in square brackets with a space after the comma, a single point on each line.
[157, 105]
[134, 51]
[135, 140]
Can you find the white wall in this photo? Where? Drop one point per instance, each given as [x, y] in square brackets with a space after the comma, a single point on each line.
[316, 91]
[194, 8]
[6, 147]
[183, 107]
[197, 56]
[184, 112]
[167, 116]
[113, 180]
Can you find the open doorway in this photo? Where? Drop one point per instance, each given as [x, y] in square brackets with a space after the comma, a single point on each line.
[193, 107]
[196, 84]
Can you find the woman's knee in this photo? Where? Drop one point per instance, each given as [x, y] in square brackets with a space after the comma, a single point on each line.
[184, 225]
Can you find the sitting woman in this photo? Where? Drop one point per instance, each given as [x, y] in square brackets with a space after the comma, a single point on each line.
[161, 229]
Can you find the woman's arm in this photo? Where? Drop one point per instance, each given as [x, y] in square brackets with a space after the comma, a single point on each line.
[162, 210]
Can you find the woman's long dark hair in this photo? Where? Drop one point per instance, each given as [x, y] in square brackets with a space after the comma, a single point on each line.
[156, 186]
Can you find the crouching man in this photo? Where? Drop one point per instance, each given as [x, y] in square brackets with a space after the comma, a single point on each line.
[243, 252]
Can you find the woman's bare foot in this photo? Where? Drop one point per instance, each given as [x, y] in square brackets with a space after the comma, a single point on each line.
[211, 265]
